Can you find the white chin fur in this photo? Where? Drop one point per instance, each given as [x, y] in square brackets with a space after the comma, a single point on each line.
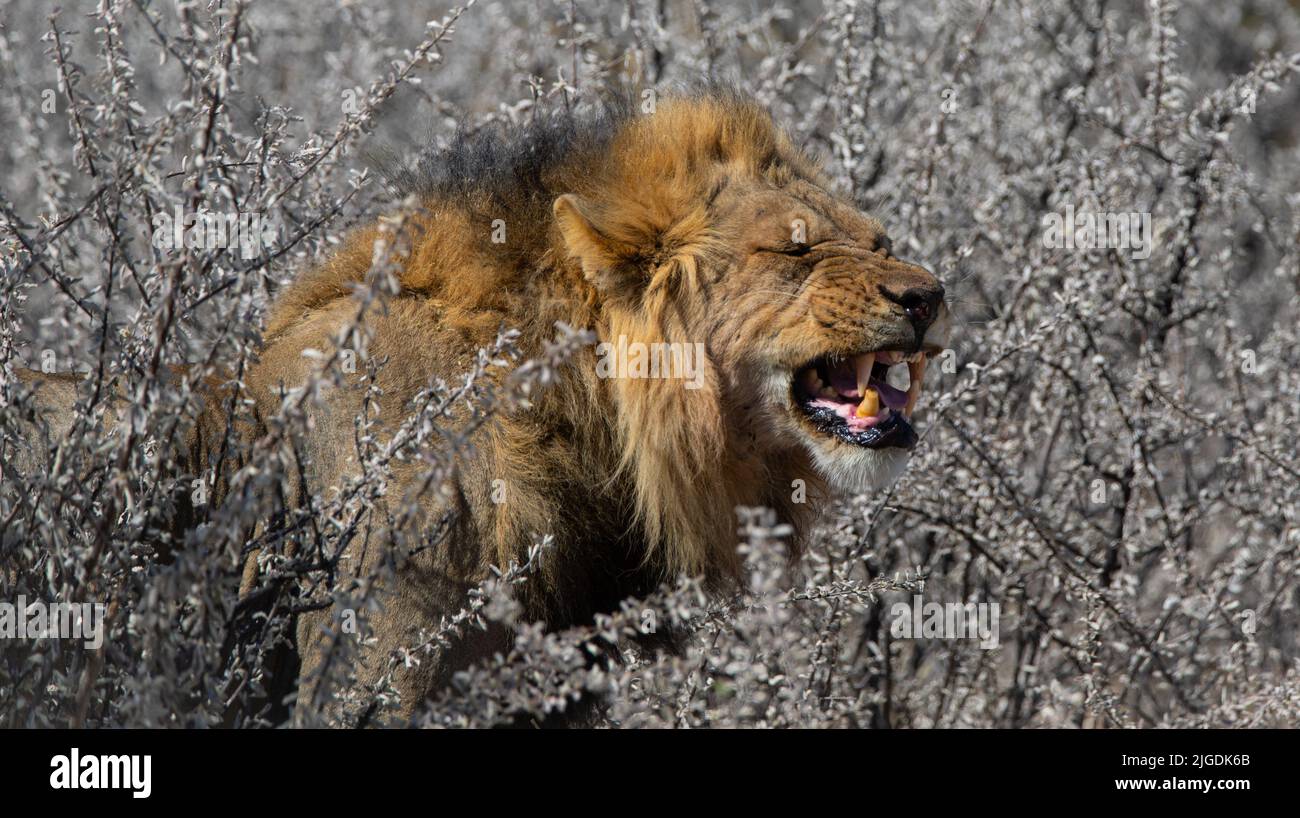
[846, 469]
[854, 470]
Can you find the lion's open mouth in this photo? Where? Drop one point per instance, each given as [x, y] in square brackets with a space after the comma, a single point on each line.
[866, 399]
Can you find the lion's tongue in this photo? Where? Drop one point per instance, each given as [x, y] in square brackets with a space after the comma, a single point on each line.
[847, 411]
[893, 398]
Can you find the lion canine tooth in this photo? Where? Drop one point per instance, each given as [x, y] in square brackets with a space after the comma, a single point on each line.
[916, 371]
[864, 364]
[870, 405]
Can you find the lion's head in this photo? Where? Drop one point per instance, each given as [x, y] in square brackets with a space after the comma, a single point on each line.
[706, 225]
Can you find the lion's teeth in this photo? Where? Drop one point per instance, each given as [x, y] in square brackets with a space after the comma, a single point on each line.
[870, 405]
[827, 392]
[864, 365]
[916, 372]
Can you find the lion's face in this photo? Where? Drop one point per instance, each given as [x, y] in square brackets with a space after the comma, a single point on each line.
[830, 333]
[716, 231]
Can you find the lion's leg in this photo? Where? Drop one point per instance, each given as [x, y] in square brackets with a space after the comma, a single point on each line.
[408, 651]
[375, 684]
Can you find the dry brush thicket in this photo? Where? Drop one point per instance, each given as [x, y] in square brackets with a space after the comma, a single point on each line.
[1110, 454]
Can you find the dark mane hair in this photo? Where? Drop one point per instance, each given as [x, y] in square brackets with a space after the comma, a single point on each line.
[502, 162]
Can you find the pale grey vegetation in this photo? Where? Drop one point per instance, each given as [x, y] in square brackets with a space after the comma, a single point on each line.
[1110, 454]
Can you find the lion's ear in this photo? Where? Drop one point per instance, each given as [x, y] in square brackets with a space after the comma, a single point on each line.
[604, 259]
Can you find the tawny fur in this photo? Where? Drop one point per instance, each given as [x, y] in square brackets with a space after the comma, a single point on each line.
[669, 227]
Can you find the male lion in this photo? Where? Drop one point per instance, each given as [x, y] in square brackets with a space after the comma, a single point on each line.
[699, 226]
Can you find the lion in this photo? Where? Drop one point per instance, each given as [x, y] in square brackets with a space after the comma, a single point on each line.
[698, 230]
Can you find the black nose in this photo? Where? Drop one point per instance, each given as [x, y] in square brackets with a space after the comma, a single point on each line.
[921, 304]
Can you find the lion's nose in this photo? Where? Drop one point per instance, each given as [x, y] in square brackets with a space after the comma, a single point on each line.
[920, 304]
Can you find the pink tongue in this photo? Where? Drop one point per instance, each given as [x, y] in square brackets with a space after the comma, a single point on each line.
[846, 411]
[891, 397]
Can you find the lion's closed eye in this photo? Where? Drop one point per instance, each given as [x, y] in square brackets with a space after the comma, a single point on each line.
[788, 248]
[797, 250]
